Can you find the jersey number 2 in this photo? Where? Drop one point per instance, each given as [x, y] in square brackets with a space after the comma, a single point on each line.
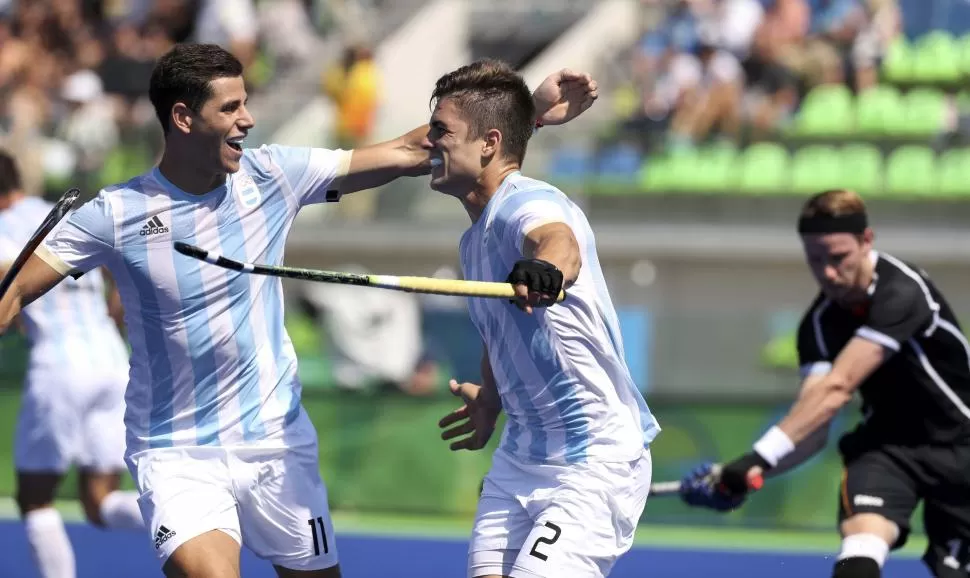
[543, 540]
[317, 539]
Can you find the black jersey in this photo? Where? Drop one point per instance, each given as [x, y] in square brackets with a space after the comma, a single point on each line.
[921, 393]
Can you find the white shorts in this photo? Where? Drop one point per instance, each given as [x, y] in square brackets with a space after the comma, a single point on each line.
[272, 501]
[541, 521]
[71, 419]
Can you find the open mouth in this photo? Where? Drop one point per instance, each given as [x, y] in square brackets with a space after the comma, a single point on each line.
[235, 143]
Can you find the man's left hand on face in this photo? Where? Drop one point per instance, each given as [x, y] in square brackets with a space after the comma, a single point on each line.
[563, 96]
[537, 283]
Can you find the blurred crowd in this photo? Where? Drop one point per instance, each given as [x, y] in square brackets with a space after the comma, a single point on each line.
[739, 68]
[74, 75]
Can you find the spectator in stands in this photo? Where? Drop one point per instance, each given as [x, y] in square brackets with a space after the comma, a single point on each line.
[883, 23]
[354, 88]
[231, 24]
[89, 126]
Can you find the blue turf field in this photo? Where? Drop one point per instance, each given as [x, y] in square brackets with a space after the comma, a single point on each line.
[128, 555]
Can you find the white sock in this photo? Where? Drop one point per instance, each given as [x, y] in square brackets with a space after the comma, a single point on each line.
[49, 544]
[865, 546]
[119, 510]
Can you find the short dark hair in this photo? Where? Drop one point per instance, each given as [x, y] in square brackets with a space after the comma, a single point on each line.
[10, 180]
[183, 75]
[490, 94]
[834, 203]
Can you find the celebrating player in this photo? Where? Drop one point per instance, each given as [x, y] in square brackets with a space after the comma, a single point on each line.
[880, 326]
[220, 448]
[570, 477]
[73, 407]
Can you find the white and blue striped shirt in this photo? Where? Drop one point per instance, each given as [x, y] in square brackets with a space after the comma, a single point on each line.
[565, 387]
[69, 329]
[211, 363]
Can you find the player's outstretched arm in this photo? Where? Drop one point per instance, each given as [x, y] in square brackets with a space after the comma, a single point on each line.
[818, 402]
[561, 97]
[35, 279]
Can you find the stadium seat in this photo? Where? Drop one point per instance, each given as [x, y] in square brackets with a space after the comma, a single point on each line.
[618, 163]
[926, 112]
[898, 63]
[954, 173]
[964, 47]
[814, 169]
[655, 175]
[862, 168]
[764, 169]
[879, 112]
[937, 58]
[569, 164]
[714, 169]
[827, 111]
[911, 171]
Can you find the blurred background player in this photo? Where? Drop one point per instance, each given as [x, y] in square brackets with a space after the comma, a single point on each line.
[570, 477]
[73, 406]
[880, 326]
[219, 445]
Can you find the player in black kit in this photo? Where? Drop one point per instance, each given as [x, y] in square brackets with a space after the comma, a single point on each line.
[879, 326]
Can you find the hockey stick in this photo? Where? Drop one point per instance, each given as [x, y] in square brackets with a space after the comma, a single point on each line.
[429, 285]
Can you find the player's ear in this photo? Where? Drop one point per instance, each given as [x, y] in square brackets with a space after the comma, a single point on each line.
[492, 138]
[868, 236]
[181, 118]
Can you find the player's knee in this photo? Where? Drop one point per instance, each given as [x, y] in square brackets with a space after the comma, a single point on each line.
[857, 567]
[28, 501]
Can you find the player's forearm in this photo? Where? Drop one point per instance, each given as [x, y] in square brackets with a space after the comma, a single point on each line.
[804, 451]
[816, 408]
[376, 165]
[561, 249]
[10, 306]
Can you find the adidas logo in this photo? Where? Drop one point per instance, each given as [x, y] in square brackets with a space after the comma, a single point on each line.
[162, 536]
[154, 226]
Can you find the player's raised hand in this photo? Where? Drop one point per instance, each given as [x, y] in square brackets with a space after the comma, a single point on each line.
[477, 418]
[537, 283]
[563, 96]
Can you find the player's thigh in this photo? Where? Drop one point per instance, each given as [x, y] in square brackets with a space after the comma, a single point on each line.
[285, 515]
[877, 495]
[46, 437]
[587, 522]
[102, 427]
[946, 513]
[502, 522]
[213, 554]
[187, 501]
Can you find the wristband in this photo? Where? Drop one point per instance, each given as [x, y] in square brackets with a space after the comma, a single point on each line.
[774, 445]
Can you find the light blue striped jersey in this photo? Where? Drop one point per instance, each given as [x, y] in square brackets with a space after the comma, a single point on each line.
[69, 329]
[565, 387]
[211, 363]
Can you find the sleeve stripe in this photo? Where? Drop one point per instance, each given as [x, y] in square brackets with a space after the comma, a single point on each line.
[877, 337]
[53, 260]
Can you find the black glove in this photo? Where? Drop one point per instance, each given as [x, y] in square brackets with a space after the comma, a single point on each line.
[734, 475]
[539, 277]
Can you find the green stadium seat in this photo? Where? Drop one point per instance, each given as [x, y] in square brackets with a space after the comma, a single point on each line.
[926, 111]
[862, 168]
[964, 47]
[899, 61]
[880, 112]
[827, 111]
[937, 58]
[911, 171]
[655, 175]
[814, 169]
[954, 173]
[764, 169]
[714, 171]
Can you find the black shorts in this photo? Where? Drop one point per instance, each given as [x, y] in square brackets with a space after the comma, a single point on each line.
[890, 480]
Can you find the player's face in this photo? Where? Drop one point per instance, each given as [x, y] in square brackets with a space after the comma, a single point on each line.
[221, 125]
[456, 159]
[839, 262]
